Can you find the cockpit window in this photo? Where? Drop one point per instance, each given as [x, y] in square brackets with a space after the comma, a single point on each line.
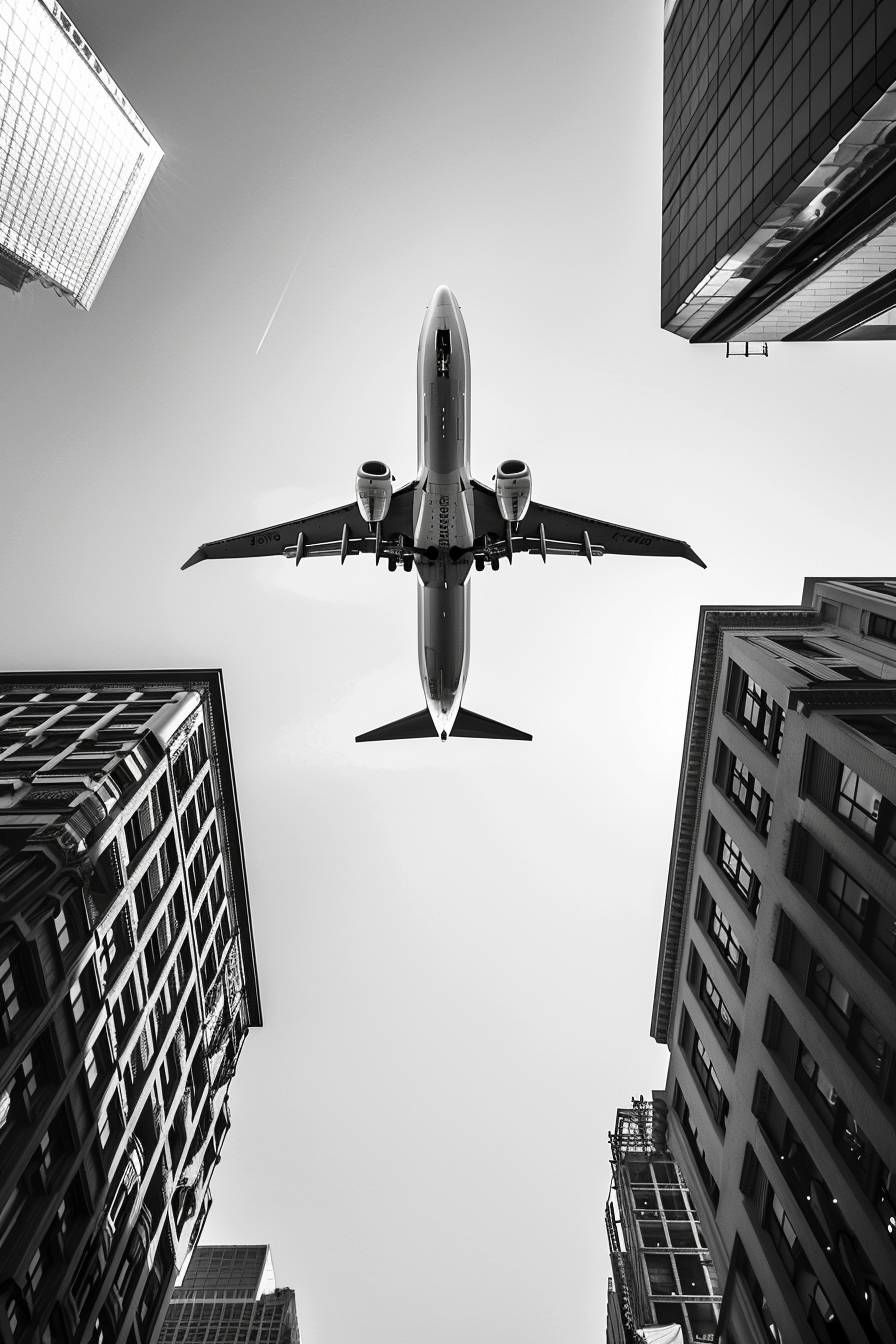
[443, 352]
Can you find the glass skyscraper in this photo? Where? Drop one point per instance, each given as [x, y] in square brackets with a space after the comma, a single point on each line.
[779, 170]
[75, 159]
[229, 1296]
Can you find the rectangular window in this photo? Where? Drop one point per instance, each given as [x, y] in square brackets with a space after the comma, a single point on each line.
[842, 897]
[744, 790]
[708, 1079]
[9, 994]
[715, 1006]
[841, 790]
[862, 1035]
[882, 627]
[60, 924]
[858, 802]
[719, 928]
[782, 1233]
[660, 1274]
[734, 865]
[754, 710]
[683, 1111]
[858, 913]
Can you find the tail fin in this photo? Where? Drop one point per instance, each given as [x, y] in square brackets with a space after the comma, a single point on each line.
[415, 725]
[468, 724]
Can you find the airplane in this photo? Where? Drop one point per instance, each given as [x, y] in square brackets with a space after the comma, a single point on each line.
[444, 523]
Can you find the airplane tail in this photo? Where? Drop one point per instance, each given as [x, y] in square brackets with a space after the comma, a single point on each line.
[467, 724]
[415, 725]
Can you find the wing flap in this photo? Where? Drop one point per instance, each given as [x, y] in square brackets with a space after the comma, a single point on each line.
[324, 533]
[546, 531]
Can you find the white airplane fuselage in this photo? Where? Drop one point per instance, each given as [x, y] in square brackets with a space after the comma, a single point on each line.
[443, 508]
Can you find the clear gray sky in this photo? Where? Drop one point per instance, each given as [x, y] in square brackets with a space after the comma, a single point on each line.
[457, 944]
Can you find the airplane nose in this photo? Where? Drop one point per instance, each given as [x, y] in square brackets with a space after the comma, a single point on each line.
[442, 299]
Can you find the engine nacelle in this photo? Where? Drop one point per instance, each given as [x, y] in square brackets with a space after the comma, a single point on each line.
[513, 487]
[373, 487]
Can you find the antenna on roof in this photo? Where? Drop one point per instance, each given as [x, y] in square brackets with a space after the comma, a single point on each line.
[759, 348]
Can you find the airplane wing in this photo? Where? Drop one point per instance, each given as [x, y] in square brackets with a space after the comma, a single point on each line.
[545, 531]
[341, 532]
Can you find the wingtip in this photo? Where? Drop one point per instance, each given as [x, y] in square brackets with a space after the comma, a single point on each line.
[194, 558]
[693, 556]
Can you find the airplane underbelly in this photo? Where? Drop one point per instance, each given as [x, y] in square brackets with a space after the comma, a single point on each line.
[443, 619]
[444, 521]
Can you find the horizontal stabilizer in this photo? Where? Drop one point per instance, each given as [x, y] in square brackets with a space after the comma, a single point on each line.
[415, 725]
[468, 724]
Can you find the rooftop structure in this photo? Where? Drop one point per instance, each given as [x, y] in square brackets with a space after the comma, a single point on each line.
[664, 1286]
[127, 988]
[775, 982]
[229, 1296]
[75, 159]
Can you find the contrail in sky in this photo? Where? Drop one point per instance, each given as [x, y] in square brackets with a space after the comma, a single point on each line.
[280, 300]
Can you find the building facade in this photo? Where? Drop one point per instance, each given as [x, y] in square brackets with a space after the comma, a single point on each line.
[75, 159]
[127, 987]
[775, 984]
[779, 170]
[229, 1295]
[664, 1285]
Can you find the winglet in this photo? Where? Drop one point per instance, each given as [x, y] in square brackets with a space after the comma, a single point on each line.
[195, 558]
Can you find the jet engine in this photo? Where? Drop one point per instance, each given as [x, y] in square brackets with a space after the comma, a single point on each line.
[513, 487]
[373, 486]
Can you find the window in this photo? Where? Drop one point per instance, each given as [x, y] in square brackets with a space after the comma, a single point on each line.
[831, 996]
[683, 1111]
[720, 1015]
[842, 896]
[734, 864]
[861, 806]
[858, 802]
[744, 790]
[76, 996]
[60, 924]
[9, 995]
[708, 1079]
[882, 627]
[660, 1274]
[725, 939]
[782, 1233]
[33, 1275]
[855, 1027]
[754, 710]
[28, 1079]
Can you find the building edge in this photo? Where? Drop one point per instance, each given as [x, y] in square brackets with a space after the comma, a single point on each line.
[211, 679]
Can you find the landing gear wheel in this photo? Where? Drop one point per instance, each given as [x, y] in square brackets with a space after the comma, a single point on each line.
[496, 563]
[480, 564]
[392, 564]
[408, 564]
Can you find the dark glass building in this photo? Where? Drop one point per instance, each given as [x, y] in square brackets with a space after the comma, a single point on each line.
[127, 988]
[662, 1272]
[779, 170]
[229, 1295]
[776, 983]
